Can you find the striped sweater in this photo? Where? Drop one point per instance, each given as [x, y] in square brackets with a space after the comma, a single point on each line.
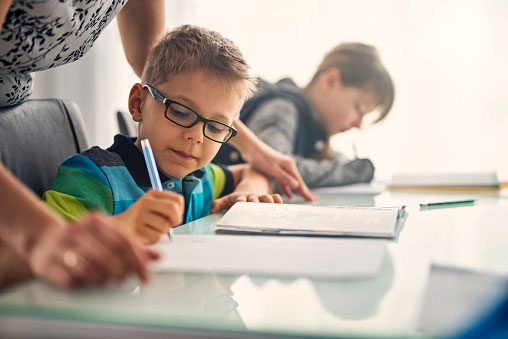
[112, 180]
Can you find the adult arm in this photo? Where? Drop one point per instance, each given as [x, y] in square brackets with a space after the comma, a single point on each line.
[13, 269]
[275, 122]
[270, 162]
[141, 23]
[4, 8]
[91, 250]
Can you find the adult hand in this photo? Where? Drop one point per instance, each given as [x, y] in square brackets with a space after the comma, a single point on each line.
[153, 214]
[270, 162]
[90, 251]
[229, 200]
[283, 168]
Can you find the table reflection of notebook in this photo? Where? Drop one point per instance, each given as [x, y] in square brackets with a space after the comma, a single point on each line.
[293, 257]
[293, 219]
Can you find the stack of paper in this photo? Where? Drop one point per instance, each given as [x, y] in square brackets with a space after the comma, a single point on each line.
[293, 219]
[322, 258]
[483, 179]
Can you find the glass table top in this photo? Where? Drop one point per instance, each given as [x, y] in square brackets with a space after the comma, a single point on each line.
[473, 237]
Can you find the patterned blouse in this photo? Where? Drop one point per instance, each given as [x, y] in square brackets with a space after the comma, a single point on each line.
[42, 34]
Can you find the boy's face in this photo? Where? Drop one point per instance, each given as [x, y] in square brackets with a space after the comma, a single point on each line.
[179, 151]
[343, 108]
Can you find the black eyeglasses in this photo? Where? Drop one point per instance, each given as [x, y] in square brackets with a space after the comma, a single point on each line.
[184, 116]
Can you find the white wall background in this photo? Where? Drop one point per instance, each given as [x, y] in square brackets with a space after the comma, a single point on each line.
[448, 59]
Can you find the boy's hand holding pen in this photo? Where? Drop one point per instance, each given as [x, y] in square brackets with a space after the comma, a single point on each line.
[153, 172]
[155, 213]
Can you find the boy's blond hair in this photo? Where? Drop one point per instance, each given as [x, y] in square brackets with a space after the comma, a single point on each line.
[190, 48]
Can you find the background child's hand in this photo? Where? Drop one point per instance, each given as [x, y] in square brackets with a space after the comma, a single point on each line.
[229, 200]
[153, 214]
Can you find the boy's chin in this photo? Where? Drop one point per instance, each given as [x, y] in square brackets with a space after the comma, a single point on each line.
[179, 173]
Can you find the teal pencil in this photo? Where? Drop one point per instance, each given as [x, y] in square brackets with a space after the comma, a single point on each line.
[470, 201]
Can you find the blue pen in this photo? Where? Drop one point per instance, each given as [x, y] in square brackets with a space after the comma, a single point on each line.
[152, 169]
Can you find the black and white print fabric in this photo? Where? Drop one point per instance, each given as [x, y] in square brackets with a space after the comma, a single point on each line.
[42, 34]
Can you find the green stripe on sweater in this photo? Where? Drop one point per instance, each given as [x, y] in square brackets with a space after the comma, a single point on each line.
[85, 188]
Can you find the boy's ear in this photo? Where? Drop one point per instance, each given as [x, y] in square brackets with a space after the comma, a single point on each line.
[330, 78]
[136, 98]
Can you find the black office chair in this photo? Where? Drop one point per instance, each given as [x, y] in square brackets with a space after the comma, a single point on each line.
[37, 136]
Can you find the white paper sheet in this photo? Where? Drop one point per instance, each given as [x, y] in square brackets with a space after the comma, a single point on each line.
[294, 257]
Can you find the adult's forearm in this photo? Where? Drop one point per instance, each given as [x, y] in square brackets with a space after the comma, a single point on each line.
[4, 8]
[23, 217]
[13, 268]
[141, 23]
[246, 142]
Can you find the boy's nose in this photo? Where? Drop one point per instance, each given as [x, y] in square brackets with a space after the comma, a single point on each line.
[195, 133]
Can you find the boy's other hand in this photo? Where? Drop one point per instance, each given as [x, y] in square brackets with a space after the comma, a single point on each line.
[153, 214]
[89, 251]
[229, 200]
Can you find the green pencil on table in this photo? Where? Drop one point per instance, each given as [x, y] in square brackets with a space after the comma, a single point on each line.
[442, 203]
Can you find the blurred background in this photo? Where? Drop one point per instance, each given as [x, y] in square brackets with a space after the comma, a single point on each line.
[448, 60]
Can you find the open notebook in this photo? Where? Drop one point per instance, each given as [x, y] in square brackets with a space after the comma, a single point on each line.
[294, 219]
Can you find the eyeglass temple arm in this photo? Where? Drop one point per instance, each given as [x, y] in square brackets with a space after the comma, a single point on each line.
[155, 93]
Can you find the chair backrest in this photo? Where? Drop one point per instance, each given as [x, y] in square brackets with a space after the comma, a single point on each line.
[36, 136]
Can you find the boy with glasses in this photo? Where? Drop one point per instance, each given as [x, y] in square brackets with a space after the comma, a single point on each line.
[190, 70]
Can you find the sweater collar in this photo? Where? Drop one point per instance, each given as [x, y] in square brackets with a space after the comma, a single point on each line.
[134, 160]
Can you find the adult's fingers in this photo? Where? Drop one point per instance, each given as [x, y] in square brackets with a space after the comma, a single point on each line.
[102, 259]
[286, 190]
[152, 254]
[305, 193]
[83, 272]
[81, 269]
[128, 249]
[58, 276]
[300, 187]
[284, 176]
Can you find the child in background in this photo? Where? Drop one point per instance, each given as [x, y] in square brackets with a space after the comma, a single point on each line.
[350, 83]
[190, 70]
